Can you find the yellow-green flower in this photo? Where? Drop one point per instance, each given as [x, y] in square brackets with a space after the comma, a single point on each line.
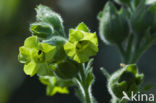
[53, 85]
[36, 56]
[81, 44]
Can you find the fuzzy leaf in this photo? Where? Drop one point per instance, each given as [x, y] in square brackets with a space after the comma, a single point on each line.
[45, 14]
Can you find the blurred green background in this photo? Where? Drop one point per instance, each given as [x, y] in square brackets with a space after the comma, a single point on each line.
[15, 18]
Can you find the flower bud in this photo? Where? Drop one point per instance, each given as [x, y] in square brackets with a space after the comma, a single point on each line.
[142, 19]
[113, 27]
[41, 30]
[126, 79]
[66, 69]
[46, 15]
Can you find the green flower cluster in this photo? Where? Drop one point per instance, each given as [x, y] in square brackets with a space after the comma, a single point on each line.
[126, 79]
[48, 53]
[36, 56]
[131, 27]
[81, 44]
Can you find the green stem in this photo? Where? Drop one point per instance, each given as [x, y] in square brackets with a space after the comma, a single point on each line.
[87, 96]
[129, 48]
[122, 52]
[138, 53]
[140, 50]
[85, 90]
[136, 48]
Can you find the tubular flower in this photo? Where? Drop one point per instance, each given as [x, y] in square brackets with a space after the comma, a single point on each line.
[36, 56]
[53, 85]
[126, 79]
[81, 44]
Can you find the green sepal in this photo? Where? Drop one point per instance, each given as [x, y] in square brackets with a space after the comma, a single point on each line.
[45, 14]
[41, 30]
[66, 69]
[43, 69]
[58, 42]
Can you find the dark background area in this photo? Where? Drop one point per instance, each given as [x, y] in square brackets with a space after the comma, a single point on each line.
[15, 18]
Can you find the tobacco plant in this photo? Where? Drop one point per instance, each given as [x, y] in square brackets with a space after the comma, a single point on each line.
[61, 61]
[130, 28]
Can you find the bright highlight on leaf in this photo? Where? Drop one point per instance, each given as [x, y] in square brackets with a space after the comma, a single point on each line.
[36, 56]
[81, 44]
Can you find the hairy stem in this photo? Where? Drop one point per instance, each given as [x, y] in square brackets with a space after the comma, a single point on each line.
[84, 88]
[139, 52]
[129, 49]
[122, 52]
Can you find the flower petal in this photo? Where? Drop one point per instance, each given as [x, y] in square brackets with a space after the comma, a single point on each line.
[85, 49]
[57, 89]
[30, 68]
[91, 37]
[76, 36]
[69, 49]
[82, 27]
[81, 58]
[43, 69]
[49, 51]
[31, 42]
[24, 55]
